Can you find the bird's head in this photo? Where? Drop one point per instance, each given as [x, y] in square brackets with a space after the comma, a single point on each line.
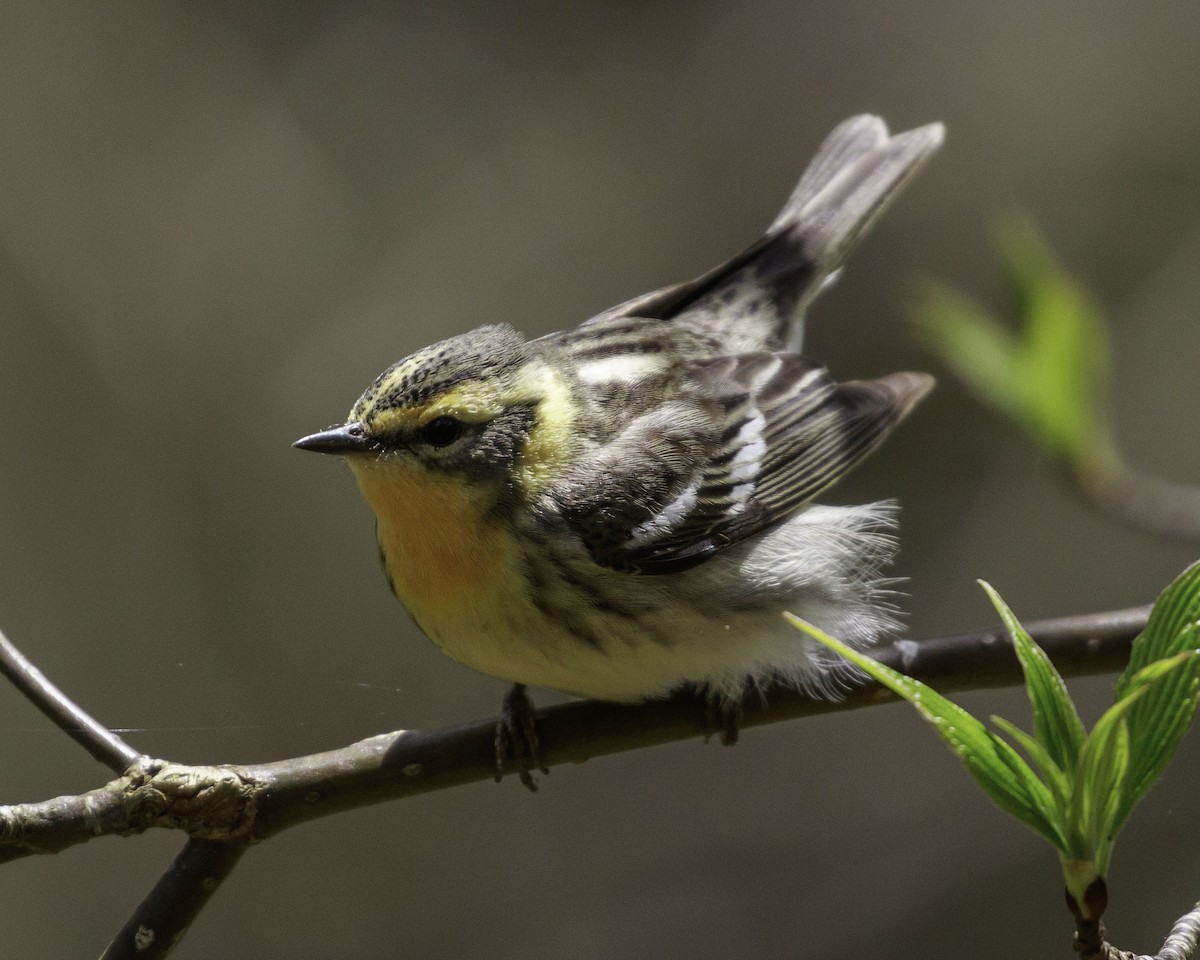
[480, 408]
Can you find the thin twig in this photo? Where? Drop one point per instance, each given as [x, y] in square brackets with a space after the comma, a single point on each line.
[1144, 502]
[411, 762]
[262, 800]
[1179, 945]
[226, 808]
[162, 919]
[104, 745]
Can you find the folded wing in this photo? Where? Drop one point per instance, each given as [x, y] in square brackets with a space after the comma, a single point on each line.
[756, 437]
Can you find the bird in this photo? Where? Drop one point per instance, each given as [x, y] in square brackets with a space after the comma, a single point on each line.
[624, 508]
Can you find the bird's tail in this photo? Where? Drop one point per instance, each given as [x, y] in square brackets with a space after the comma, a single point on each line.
[765, 290]
[856, 173]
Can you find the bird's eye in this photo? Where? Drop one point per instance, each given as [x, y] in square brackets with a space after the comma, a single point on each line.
[441, 431]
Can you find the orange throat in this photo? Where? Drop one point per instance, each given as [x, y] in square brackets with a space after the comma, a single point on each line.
[441, 548]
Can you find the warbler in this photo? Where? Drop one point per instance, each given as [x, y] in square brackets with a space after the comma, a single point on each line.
[622, 508]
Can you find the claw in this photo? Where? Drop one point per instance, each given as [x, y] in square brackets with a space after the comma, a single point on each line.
[516, 738]
[722, 715]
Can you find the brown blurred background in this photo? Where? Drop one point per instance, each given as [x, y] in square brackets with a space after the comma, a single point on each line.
[219, 221]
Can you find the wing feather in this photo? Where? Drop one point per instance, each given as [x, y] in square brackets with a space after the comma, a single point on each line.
[764, 432]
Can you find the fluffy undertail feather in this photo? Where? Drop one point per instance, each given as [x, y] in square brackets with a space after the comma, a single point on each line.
[844, 550]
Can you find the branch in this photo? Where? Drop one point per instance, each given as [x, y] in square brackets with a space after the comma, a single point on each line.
[64, 713]
[1179, 945]
[255, 802]
[226, 808]
[180, 894]
[1143, 501]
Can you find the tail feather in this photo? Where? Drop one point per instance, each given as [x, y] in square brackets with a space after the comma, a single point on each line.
[857, 172]
[855, 175]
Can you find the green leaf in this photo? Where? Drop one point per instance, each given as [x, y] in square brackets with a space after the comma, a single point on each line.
[1161, 717]
[1176, 607]
[1089, 783]
[1099, 780]
[1055, 720]
[973, 344]
[1050, 375]
[1152, 673]
[1058, 781]
[1103, 793]
[995, 765]
[1062, 346]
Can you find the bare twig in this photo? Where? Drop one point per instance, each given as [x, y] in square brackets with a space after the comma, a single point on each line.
[180, 894]
[1144, 502]
[258, 801]
[214, 803]
[64, 713]
[226, 808]
[1179, 945]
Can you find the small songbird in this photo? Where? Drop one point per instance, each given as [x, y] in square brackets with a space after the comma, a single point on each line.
[626, 507]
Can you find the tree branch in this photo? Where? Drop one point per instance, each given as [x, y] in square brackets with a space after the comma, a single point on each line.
[226, 808]
[64, 713]
[1179, 945]
[258, 801]
[1143, 501]
[180, 894]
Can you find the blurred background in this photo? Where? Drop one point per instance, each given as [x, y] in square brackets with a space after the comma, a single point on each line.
[219, 221]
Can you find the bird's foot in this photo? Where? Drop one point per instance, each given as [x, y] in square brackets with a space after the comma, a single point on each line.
[516, 738]
[723, 716]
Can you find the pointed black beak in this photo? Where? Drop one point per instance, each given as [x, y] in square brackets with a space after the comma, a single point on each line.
[340, 441]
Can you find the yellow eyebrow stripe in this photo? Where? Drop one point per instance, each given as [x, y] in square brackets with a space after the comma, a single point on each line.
[468, 402]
